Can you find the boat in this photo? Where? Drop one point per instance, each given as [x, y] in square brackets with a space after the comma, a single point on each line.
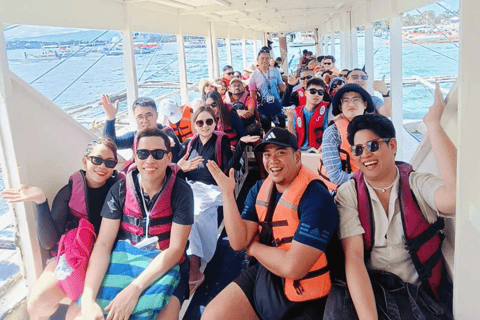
[24, 153]
[302, 40]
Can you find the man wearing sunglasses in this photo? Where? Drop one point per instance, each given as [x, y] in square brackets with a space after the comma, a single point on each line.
[360, 77]
[228, 74]
[286, 224]
[146, 115]
[328, 64]
[307, 122]
[393, 215]
[295, 91]
[151, 201]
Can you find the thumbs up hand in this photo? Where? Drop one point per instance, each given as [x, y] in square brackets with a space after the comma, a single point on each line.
[380, 86]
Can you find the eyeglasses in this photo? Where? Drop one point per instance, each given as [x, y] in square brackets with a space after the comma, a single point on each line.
[372, 146]
[212, 105]
[229, 73]
[320, 92]
[208, 122]
[148, 116]
[357, 77]
[348, 100]
[157, 154]
[336, 84]
[306, 78]
[327, 63]
[98, 162]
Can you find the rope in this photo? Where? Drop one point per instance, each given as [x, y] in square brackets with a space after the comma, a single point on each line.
[153, 55]
[86, 70]
[71, 55]
[169, 63]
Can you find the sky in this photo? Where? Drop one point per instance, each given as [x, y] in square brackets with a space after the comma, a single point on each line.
[26, 32]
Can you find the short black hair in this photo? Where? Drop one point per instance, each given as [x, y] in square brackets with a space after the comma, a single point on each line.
[279, 59]
[316, 82]
[330, 57]
[144, 102]
[380, 125]
[345, 70]
[304, 51]
[320, 58]
[227, 67]
[356, 69]
[154, 133]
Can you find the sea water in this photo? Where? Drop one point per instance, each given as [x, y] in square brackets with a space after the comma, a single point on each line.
[108, 75]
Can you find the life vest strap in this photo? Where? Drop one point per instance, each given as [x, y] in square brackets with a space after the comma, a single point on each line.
[128, 235]
[415, 244]
[280, 223]
[425, 270]
[312, 274]
[134, 221]
[160, 221]
[279, 242]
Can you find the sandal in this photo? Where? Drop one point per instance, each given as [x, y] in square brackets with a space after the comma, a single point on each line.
[195, 284]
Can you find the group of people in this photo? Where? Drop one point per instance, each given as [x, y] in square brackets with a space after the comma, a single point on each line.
[387, 216]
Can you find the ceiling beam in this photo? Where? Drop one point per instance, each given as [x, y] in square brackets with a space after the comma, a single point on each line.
[175, 4]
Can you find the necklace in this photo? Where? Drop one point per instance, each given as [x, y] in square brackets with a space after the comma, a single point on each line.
[386, 188]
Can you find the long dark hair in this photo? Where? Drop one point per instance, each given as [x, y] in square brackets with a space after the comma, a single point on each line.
[224, 119]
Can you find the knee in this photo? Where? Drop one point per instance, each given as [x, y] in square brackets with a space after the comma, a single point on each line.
[39, 304]
[211, 313]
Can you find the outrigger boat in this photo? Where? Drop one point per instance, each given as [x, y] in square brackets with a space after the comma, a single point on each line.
[33, 128]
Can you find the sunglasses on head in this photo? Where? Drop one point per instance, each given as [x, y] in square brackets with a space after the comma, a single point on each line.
[320, 92]
[306, 78]
[372, 146]
[98, 162]
[211, 105]
[157, 154]
[208, 122]
[265, 51]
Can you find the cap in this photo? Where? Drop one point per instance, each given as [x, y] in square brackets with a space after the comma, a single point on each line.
[279, 137]
[250, 68]
[351, 88]
[238, 80]
[169, 108]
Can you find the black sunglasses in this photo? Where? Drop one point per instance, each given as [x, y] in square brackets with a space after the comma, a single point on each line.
[265, 51]
[336, 84]
[372, 146]
[98, 162]
[229, 73]
[157, 154]
[307, 77]
[315, 91]
[208, 122]
[328, 63]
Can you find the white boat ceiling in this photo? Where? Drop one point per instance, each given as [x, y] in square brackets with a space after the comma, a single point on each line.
[231, 18]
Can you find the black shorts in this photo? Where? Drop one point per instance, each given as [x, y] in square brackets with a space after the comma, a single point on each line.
[305, 310]
[182, 291]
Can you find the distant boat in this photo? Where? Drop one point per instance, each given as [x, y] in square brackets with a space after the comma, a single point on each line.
[302, 40]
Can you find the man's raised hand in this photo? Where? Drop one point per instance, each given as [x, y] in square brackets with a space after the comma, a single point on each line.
[434, 114]
[110, 109]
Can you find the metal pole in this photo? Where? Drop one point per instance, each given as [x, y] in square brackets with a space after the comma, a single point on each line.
[25, 223]
[130, 71]
[182, 66]
[318, 47]
[369, 57]
[255, 47]
[332, 40]
[228, 47]
[282, 42]
[396, 82]
[209, 44]
[216, 63]
[353, 41]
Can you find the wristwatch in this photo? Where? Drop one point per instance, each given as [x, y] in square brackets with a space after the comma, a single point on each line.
[386, 95]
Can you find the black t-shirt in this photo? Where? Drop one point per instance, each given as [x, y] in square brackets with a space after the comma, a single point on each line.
[181, 201]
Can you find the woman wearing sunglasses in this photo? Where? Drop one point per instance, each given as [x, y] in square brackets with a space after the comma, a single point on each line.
[206, 145]
[336, 163]
[81, 198]
[228, 120]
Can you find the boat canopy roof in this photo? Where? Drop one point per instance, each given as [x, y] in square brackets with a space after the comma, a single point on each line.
[232, 18]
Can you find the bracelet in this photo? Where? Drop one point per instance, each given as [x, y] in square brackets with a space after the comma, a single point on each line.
[386, 95]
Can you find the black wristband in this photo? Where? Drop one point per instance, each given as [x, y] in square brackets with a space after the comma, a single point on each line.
[386, 95]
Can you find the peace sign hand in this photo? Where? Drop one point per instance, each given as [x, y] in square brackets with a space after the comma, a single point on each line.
[110, 109]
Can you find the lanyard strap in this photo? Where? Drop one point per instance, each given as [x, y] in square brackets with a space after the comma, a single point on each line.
[147, 212]
[267, 80]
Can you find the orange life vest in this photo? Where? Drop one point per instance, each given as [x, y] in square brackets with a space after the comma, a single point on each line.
[184, 129]
[316, 284]
[348, 164]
